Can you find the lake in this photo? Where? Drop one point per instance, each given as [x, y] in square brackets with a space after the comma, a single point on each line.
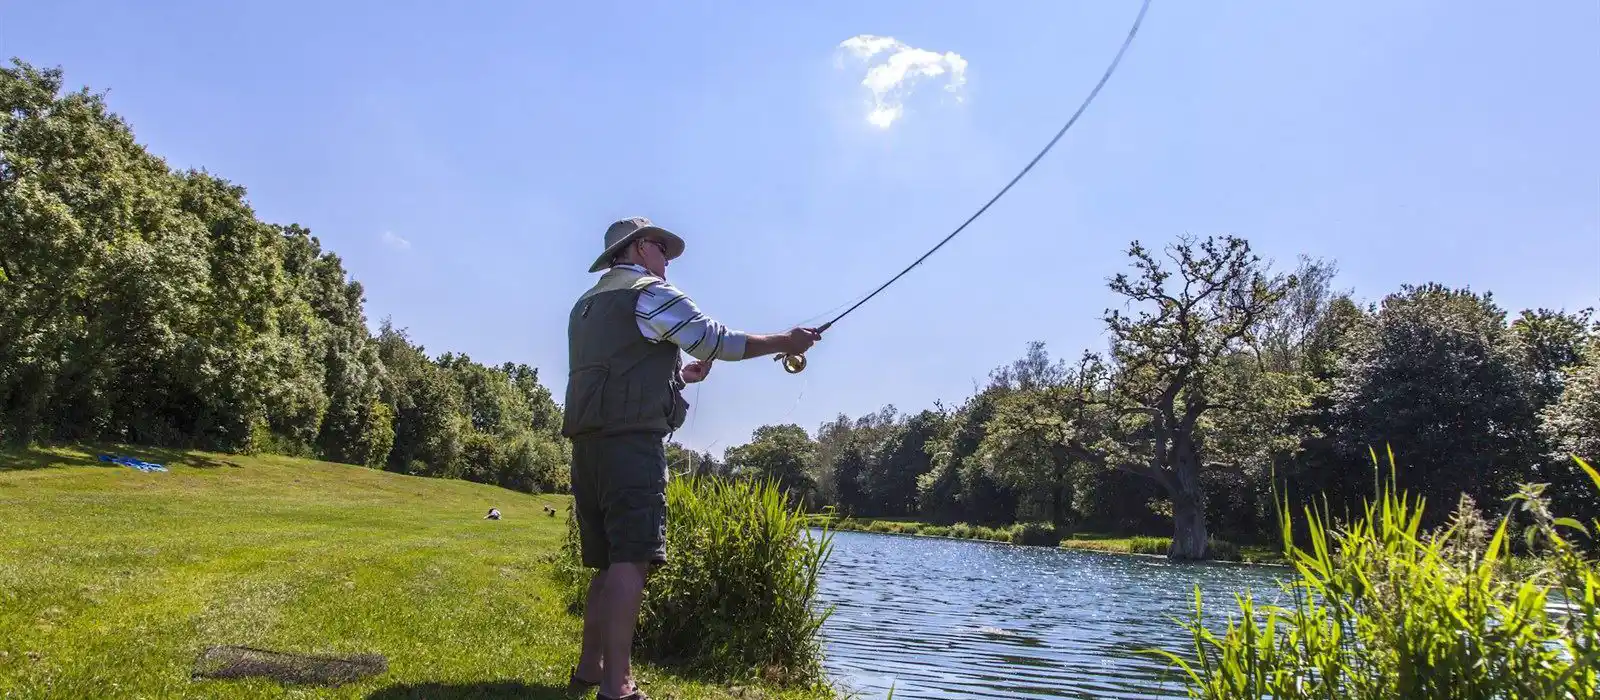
[943, 618]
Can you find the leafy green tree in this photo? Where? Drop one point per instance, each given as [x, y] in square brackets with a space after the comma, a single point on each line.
[1436, 377]
[1025, 440]
[430, 418]
[1557, 350]
[834, 437]
[851, 463]
[960, 487]
[544, 415]
[778, 453]
[848, 468]
[1025, 449]
[376, 439]
[1173, 364]
[1318, 469]
[250, 372]
[901, 458]
[1571, 427]
[104, 276]
[144, 305]
[538, 463]
[1547, 343]
[1572, 422]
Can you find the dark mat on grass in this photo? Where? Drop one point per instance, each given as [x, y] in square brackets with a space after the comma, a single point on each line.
[231, 662]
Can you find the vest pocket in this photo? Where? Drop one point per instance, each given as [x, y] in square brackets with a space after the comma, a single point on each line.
[678, 411]
[586, 399]
[632, 403]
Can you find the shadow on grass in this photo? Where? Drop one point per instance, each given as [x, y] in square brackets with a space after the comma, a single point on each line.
[463, 691]
[173, 457]
[29, 458]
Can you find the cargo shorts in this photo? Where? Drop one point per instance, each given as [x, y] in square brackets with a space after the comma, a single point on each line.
[619, 493]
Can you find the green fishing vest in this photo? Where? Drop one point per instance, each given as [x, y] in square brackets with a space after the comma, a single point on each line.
[618, 381]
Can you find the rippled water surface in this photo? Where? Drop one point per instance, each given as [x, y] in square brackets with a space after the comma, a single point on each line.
[943, 618]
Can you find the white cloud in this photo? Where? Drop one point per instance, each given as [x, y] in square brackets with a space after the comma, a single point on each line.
[890, 79]
[396, 242]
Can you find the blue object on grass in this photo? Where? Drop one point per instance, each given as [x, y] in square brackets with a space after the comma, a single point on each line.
[140, 465]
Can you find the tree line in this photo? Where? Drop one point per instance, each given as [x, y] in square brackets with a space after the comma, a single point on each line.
[144, 305]
[1228, 388]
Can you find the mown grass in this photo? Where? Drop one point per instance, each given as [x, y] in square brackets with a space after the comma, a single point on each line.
[1219, 550]
[901, 526]
[113, 580]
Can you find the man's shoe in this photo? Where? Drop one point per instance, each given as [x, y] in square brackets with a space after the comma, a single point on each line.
[578, 686]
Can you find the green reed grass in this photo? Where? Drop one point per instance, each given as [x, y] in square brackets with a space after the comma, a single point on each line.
[737, 596]
[1220, 550]
[1040, 533]
[1035, 534]
[1149, 545]
[1383, 609]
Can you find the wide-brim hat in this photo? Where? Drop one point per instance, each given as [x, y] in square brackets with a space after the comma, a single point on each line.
[628, 230]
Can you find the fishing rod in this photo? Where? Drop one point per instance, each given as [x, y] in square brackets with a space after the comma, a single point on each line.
[794, 364]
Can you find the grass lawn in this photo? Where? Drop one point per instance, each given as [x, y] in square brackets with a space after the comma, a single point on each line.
[1098, 542]
[1123, 544]
[112, 581]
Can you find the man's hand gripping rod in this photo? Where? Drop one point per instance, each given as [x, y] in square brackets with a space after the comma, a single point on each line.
[794, 364]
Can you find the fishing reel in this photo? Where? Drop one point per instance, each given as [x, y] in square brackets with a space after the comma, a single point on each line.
[793, 364]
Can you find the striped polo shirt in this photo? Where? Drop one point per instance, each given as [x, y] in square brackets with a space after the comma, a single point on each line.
[667, 314]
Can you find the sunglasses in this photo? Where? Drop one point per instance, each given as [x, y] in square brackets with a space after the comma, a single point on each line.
[658, 244]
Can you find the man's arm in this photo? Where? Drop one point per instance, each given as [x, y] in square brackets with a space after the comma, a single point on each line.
[666, 313]
[794, 342]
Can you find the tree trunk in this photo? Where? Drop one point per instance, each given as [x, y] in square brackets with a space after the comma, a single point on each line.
[1188, 529]
[1059, 458]
[1058, 508]
[1188, 506]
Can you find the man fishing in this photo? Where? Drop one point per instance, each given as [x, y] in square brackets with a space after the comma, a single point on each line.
[624, 396]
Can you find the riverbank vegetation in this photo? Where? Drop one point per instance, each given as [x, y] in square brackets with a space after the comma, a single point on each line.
[1226, 381]
[1043, 535]
[1219, 550]
[736, 600]
[961, 531]
[1385, 608]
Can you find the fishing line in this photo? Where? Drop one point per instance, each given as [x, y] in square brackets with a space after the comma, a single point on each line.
[796, 363]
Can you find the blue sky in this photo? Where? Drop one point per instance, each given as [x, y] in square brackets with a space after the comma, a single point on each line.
[465, 158]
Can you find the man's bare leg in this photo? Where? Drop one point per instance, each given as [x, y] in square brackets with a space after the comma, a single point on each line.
[591, 661]
[624, 591]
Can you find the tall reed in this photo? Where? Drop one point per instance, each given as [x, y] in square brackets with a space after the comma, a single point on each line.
[737, 596]
[1384, 610]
